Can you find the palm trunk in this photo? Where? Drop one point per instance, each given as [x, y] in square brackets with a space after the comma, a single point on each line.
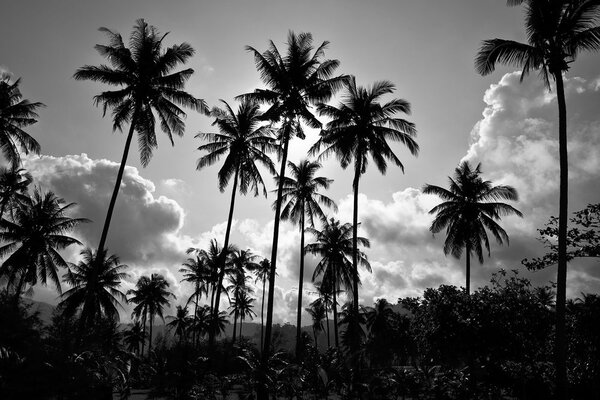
[241, 322]
[234, 327]
[262, 314]
[468, 271]
[355, 235]
[144, 332]
[335, 320]
[327, 319]
[194, 332]
[113, 198]
[263, 393]
[300, 284]
[150, 337]
[561, 279]
[211, 338]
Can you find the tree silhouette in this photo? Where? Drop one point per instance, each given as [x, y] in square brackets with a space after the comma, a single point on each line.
[16, 113]
[150, 296]
[33, 239]
[94, 287]
[302, 204]
[181, 322]
[360, 126]
[134, 337]
[317, 312]
[471, 208]
[334, 245]
[147, 87]
[295, 80]
[14, 183]
[557, 31]
[262, 273]
[244, 142]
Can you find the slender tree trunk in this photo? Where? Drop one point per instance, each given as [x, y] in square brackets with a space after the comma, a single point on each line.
[113, 198]
[241, 322]
[144, 332]
[234, 327]
[355, 235]
[211, 338]
[263, 393]
[150, 337]
[561, 279]
[335, 320]
[262, 314]
[468, 271]
[195, 332]
[300, 285]
[327, 319]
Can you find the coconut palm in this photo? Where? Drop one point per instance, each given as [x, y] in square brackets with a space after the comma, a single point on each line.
[150, 295]
[302, 204]
[238, 289]
[14, 183]
[361, 126]
[557, 31]
[196, 272]
[334, 246]
[33, 241]
[325, 299]
[94, 289]
[16, 113]
[181, 322]
[295, 81]
[147, 87]
[244, 142]
[262, 273]
[242, 306]
[470, 208]
[134, 337]
[317, 312]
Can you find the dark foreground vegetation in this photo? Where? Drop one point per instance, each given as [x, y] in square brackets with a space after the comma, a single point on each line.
[494, 344]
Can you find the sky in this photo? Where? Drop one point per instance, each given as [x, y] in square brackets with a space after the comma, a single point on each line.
[425, 48]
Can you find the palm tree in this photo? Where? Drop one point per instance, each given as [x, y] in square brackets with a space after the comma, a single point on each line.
[470, 208]
[94, 287]
[262, 273]
[196, 272]
[150, 296]
[33, 239]
[245, 142]
[360, 126]
[14, 183]
[325, 299]
[16, 113]
[301, 201]
[353, 336]
[317, 312]
[134, 336]
[242, 306]
[556, 31]
[146, 87]
[238, 289]
[181, 322]
[295, 81]
[334, 246]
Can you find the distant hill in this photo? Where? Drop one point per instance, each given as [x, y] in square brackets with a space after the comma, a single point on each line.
[44, 310]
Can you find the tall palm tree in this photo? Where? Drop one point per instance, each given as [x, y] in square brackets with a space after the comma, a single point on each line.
[470, 208]
[317, 312]
[238, 288]
[262, 273]
[301, 204]
[244, 142]
[557, 31]
[33, 240]
[295, 81]
[14, 183]
[181, 322]
[94, 289]
[16, 113]
[361, 126]
[147, 87]
[134, 337]
[334, 245]
[151, 295]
